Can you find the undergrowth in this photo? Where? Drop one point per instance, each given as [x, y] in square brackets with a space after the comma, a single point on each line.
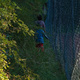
[23, 62]
[33, 65]
[41, 65]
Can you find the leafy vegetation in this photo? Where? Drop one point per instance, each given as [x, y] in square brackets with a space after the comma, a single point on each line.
[10, 28]
[19, 57]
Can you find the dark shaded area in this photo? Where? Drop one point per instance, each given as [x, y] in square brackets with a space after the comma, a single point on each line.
[63, 26]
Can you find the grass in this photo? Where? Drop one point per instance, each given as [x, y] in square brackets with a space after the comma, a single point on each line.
[46, 66]
[39, 65]
[33, 64]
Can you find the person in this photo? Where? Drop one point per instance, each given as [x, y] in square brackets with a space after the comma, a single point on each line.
[41, 22]
[39, 37]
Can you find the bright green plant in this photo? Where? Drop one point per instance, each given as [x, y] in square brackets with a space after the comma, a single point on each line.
[28, 13]
[10, 26]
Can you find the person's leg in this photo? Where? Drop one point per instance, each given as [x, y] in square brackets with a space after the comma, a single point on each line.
[38, 47]
[42, 48]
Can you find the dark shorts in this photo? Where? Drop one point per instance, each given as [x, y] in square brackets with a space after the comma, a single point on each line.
[39, 45]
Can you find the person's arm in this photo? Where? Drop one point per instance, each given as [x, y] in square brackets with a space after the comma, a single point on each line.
[45, 35]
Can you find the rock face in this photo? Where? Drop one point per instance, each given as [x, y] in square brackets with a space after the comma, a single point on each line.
[63, 26]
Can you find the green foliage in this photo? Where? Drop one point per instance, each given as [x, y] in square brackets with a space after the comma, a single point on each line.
[19, 59]
[33, 65]
[3, 57]
[10, 27]
[29, 10]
